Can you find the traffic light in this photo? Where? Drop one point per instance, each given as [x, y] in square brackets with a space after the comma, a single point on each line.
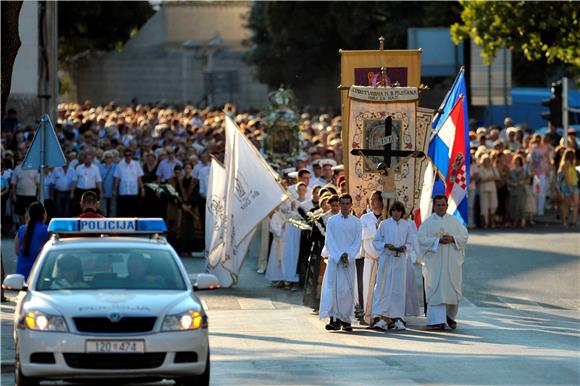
[555, 105]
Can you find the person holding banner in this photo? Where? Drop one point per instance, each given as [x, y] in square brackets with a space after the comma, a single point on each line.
[442, 240]
[343, 241]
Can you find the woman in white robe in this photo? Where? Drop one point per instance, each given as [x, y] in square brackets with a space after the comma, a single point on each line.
[392, 239]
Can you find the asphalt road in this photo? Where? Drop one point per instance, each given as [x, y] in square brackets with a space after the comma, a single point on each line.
[519, 325]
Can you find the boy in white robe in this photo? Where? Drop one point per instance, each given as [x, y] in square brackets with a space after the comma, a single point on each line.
[442, 239]
[343, 241]
[370, 223]
[392, 238]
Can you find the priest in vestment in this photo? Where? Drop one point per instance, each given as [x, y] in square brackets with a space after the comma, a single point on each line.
[442, 239]
[343, 242]
[392, 239]
[370, 223]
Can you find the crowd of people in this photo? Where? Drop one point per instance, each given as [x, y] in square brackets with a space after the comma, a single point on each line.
[514, 171]
[154, 161]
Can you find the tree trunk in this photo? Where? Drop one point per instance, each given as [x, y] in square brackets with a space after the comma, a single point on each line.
[10, 45]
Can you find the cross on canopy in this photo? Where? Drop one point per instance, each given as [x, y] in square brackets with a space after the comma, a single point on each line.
[387, 152]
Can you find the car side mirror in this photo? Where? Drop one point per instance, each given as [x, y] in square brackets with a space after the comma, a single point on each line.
[206, 281]
[14, 282]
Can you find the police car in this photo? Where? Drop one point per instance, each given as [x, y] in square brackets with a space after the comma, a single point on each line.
[103, 301]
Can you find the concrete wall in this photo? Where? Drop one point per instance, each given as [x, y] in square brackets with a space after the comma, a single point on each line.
[204, 21]
[161, 74]
[25, 73]
[167, 71]
[24, 87]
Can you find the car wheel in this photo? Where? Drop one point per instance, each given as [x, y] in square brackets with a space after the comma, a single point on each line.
[19, 378]
[198, 380]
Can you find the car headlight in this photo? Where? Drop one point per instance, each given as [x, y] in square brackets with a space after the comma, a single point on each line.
[39, 321]
[189, 320]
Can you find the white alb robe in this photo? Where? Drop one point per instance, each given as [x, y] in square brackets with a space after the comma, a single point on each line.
[274, 267]
[413, 255]
[291, 248]
[369, 224]
[390, 290]
[443, 263]
[343, 235]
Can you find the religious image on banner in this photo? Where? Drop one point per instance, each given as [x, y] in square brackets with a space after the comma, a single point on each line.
[372, 76]
[374, 138]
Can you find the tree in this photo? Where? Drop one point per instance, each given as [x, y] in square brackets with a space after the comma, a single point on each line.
[10, 45]
[537, 29]
[294, 42]
[98, 25]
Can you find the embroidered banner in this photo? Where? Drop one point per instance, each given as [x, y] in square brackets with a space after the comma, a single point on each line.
[367, 131]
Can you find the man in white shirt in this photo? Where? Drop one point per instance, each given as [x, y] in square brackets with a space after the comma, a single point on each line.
[442, 239]
[87, 178]
[24, 190]
[63, 180]
[342, 243]
[166, 166]
[128, 185]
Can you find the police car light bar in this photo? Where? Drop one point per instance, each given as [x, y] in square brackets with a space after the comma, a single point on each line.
[107, 225]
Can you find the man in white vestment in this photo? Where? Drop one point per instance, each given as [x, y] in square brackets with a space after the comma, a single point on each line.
[392, 239]
[343, 241]
[442, 239]
[370, 223]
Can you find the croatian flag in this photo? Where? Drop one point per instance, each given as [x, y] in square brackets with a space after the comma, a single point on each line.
[447, 172]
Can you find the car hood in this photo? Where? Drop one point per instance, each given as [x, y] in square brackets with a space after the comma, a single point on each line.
[103, 302]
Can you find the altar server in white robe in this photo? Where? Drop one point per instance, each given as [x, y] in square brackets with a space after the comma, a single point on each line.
[413, 260]
[343, 242]
[274, 271]
[392, 240]
[442, 238]
[291, 246]
[370, 223]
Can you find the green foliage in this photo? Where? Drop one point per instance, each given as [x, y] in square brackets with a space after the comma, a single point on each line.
[98, 25]
[538, 29]
[293, 42]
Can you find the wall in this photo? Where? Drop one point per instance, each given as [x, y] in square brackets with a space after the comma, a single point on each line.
[24, 87]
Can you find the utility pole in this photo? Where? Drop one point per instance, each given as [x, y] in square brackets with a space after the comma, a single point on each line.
[48, 57]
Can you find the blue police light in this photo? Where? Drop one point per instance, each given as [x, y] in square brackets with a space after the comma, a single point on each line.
[107, 225]
[63, 225]
[151, 225]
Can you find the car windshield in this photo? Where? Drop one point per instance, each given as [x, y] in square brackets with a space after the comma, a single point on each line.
[110, 269]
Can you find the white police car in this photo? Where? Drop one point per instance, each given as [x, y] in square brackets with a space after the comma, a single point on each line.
[114, 306]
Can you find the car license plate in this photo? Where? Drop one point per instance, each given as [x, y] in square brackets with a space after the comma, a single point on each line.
[115, 346]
